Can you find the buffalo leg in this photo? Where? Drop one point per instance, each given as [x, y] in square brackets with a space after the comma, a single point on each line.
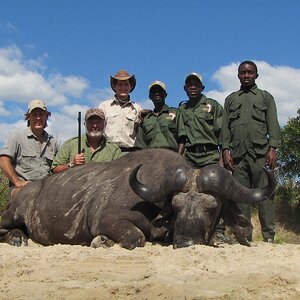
[123, 232]
[239, 225]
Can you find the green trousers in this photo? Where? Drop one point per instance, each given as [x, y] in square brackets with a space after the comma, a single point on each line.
[249, 172]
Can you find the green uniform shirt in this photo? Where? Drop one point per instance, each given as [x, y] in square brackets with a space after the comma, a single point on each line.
[107, 152]
[201, 125]
[250, 123]
[158, 130]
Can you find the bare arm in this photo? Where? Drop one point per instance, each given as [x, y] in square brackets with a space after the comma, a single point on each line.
[10, 173]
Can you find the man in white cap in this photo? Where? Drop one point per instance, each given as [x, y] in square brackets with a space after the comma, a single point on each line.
[121, 113]
[199, 124]
[158, 129]
[95, 146]
[28, 154]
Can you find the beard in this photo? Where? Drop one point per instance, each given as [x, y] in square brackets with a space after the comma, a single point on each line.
[95, 133]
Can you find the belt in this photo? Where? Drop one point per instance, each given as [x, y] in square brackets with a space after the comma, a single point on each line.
[128, 149]
[202, 148]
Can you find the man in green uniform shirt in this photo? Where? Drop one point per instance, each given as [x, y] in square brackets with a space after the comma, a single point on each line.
[198, 128]
[250, 136]
[159, 126]
[96, 147]
[199, 124]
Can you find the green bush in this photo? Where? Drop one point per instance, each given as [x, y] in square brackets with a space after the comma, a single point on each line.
[287, 206]
[4, 190]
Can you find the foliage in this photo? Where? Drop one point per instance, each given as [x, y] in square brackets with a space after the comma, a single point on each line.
[287, 205]
[289, 151]
[4, 190]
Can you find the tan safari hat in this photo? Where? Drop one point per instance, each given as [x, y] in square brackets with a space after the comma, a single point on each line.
[159, 83]
[94, 112]
[122, 75]
[36, 104]
[193, 75]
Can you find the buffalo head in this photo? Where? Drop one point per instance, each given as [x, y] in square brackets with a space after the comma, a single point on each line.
[197, 196]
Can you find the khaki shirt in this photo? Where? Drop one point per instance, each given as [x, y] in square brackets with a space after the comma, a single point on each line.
[106, 152]
[250, 123]
[31, 159]
[122, 121]
[158, 130]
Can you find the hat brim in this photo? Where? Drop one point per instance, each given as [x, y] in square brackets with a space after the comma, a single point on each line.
[26, 116]
[113, 81]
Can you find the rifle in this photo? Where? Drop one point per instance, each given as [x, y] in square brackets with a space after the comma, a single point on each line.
[79, 132]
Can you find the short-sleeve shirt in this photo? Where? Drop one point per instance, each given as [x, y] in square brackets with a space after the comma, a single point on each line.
[122, 121]
[158, 130]
[31, 159]
[106, 152]
[200, 124]
[250, 123]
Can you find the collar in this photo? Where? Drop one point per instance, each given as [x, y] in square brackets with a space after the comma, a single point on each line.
[200, 100]
[253, 90]
[30, 134]
[103, 142]
[166, 108]
[116, 101]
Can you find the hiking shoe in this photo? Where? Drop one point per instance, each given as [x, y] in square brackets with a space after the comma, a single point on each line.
[269, 240]
[220, 238]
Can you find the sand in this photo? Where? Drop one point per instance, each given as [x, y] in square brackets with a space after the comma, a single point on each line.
[263, 271]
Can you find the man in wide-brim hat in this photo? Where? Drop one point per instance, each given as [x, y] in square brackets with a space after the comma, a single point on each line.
[121, 113]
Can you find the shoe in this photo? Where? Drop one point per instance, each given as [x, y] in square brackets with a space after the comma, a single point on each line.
[269, 240]
[221, 238]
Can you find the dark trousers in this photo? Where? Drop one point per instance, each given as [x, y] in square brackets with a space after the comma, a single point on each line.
[249, 172]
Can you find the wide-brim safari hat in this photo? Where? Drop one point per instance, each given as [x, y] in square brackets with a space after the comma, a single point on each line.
[122, 75]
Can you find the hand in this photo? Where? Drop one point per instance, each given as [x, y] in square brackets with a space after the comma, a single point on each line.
[271, 158]
[20, 183]
[227, 160]
[79, 159]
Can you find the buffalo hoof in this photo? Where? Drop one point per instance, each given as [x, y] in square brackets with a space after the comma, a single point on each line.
[101, 241]
[17, 238]
[183, 244]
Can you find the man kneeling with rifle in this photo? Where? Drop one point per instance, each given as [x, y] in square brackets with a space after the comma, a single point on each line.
[94, 145]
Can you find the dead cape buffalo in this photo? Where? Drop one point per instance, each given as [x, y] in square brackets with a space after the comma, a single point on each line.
[125, 202]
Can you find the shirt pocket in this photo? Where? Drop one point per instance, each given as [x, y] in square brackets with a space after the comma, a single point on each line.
[234, 114]
[28, 161]
[171, 126]
[260, 146]
[259, 112]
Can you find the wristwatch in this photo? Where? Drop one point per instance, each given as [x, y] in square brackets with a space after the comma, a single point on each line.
[70, 165]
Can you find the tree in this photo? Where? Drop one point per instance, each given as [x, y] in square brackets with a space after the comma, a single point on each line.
[289, 151]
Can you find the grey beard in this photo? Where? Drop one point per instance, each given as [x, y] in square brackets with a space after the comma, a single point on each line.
[95, 134]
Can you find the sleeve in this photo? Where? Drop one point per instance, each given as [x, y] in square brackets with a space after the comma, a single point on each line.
[11, 147]
[272, 123]
[180, 128]
[225, 131]
[117, 154]
[62, 157]
[218, 116]
[140, 141]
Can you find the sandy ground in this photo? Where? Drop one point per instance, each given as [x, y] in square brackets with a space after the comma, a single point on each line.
[263, 271]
